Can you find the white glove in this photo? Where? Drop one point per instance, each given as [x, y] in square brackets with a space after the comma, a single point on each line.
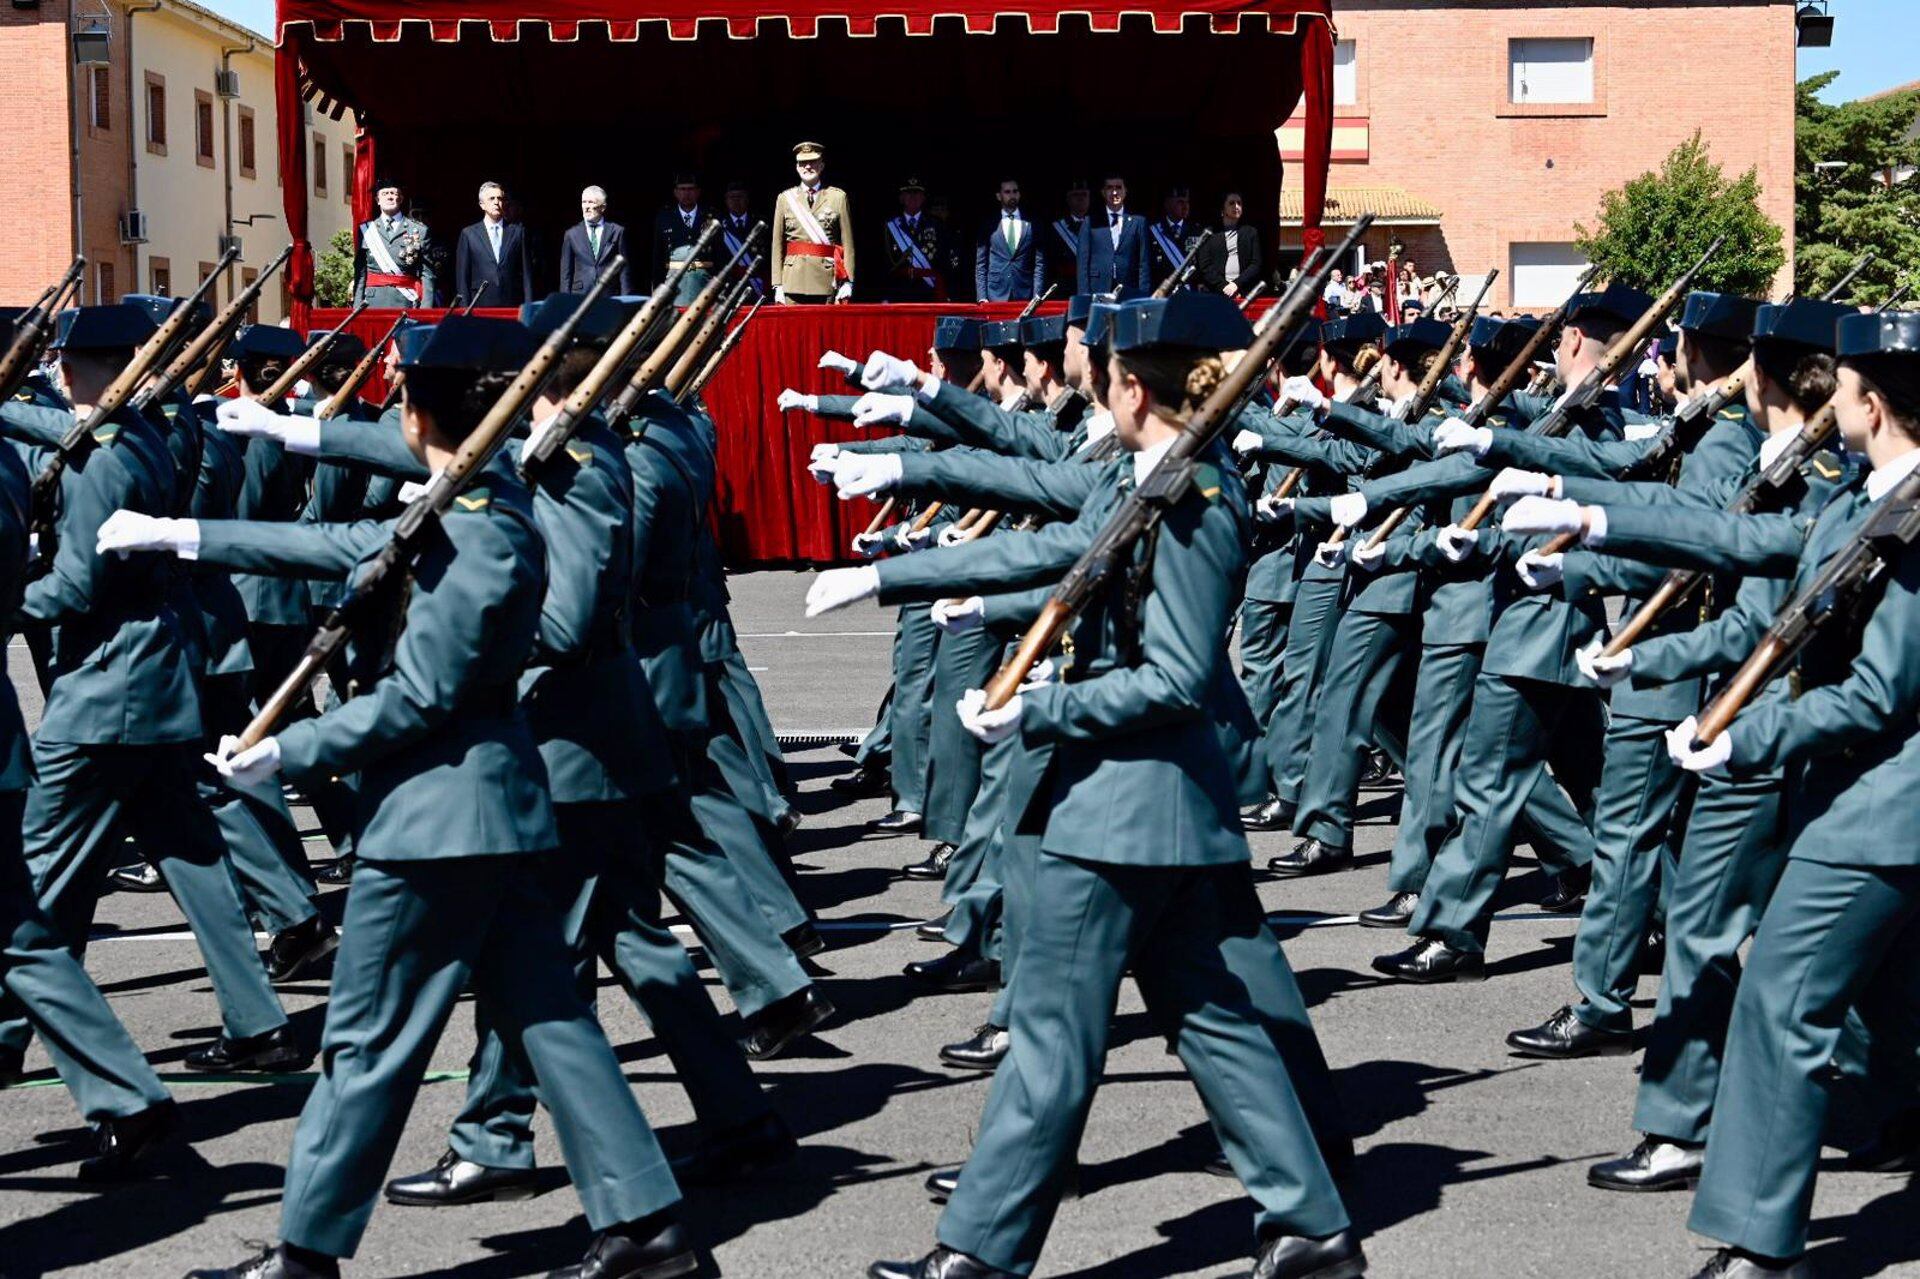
[1329, 554]
[1637, 431]
[953, 535]
[1349, 509]
[845, 365]
[1366, 557]
[1604, 671]
[1245, 442]
[820, 461]
[250, 419]
[789, 400]
[1454, 435]
[1043, 674]
[863, 474]
[868, 545]
[1272, 507]
[125, 531]
[882, 371]
[957, 617]
[873, 409]
[245, 767]
[913, 539]
[839, 587]
[1680, 747]
[844, 292]
[1303, 392]
[1539, 571]
[988, 726]
[410, 490]
[779, 295]
[1456, 543]
[1544, 515]
[1513, 482]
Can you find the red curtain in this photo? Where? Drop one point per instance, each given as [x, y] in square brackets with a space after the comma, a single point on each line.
[1316, 91]
[365, 174]
[290, 107]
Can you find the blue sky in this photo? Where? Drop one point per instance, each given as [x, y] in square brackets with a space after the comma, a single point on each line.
[1873, 43]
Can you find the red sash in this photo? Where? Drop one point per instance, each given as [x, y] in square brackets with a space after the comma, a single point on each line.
[808, 249]
[382, 280]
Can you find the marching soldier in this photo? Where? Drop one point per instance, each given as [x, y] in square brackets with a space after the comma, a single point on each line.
[811, 258]
[920, 253]
[676, 228]
[393, 256]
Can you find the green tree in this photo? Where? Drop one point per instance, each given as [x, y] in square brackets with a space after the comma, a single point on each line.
[1658, 224]
[1848, 196]
[333, 273]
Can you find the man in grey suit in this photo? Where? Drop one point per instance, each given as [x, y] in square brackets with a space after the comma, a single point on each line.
[392, 258]
[590, 243]
[1009, 264]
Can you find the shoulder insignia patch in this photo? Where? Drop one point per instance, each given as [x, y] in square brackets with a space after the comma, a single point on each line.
[1206, 480]
[480, 503]
[1826, 470]
[583, 456]
[107, 434]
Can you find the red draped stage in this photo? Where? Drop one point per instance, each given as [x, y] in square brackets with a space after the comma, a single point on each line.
[547, 96]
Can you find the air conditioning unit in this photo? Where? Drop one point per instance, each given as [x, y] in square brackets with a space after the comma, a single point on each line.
[226, 83]
[133, 227]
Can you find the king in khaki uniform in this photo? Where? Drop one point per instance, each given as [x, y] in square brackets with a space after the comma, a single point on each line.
[812, 253]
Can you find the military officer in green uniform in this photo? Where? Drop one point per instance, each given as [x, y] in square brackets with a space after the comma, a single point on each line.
[810, 259]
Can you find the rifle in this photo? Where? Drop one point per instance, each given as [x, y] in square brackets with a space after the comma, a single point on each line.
[421, 515]
[1188, 265]
[477, 295]
[339, 400]
[1170, 478]
[1559, 419]
[1853, 273]
[209, 346]
[307, 359]
[1034, 303]
[724, 350]
[1248, 298]
[694, 357]
[653, 369]
[30, 330]
[1898, 295]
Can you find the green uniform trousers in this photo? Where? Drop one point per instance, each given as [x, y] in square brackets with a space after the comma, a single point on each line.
[1515, 727]
[1370, 651]
[962, 661]
[81, 799]
[740, 759]
[255, 823]
[97, 1060]
[416, 934]
[1732, 856]
[1832, 936]
[609, 881]
[1263, 647]
[1289, 730]
[1172, 925]
[909, 723]
[876, 748]
[973, 887]
[748, 711]
[734, 831]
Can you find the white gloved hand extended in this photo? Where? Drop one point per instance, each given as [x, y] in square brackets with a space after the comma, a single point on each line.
[1302, 391]
[1245, 442]
[957, 617]
[873, 409]
[1551, 515]
[1602, 670]
[789, 400]
[1272, 507]
[1512, 483]
[1539, 571]
[845, 365]
[1043, 674]
[1348, 509]
[883, 372]
[1681, 750]
[839, 587]
[245, 767]
[1454, 436]
[820, 462]
[125, 531]
[1365, 556]
[953, 535]
[863, 474]
[252, 420]
[868, 545]
[1329, 554]
[988, 726]
[910, 538]
[844, 292]
[1456, 543]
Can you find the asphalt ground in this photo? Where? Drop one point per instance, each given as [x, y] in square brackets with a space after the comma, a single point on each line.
[1472, 1162]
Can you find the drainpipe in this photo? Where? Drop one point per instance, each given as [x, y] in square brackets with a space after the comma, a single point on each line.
[226, 143]
[134, 142]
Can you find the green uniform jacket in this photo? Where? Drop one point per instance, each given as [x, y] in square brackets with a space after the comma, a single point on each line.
[274, 488]
[216, 496]
[16, 768]
[668, 480]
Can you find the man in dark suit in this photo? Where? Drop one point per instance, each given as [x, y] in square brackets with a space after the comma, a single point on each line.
[1172, 239]
[1231, 262]
[590, 243]
[1113, 245]
[1009, 263]
[675, 229]
[736, 223]
[493, 252]
[1062, 237]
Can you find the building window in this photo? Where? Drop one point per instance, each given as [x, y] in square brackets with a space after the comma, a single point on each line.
[1543, 274]
[160, 277]
[104, 290]
[346, 174]
[1550, 69]
[247, 276]
[203, 128]
[247, 154]
[1346, 74]
[100, 108]
[319, 166]
[156, 114]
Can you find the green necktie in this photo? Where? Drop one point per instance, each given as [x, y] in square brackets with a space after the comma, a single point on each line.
[593, 240]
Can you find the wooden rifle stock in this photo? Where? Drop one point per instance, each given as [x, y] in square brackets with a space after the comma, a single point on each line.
[205, 351]
[310, 358]
[712, 328]
[654, 368]
[350, 388]
[31, 329]
[881, 516]
[725, 349]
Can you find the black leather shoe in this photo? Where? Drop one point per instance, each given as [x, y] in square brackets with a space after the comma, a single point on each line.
[1395, 912]
[863, 782]
[804, 940]
[1569, 892]
[1564, 1036]
[789, 822]
[1275, 814]
[639, 1250]
[1431, 960]
[13, 1064]
[1896, 1148]
[1377, 769]
[300, 951]
[941, 1263]
[121, 1144]
[1728, 1264]
[141, 877]
[737, 1152]
[955, 972]
[1310, 857]
[933, 929]
[934, 867]
[940, 1185]
[899, 822]
[774, 1028]
[455, 1181]
[1654, 1164]
[275, 1052]
[337, 871]
[282, 1262]
[982, 1052]
[1298, 1257]
[1653, 956]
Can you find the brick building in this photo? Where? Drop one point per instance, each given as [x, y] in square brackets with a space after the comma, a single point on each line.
[1481, 133]
[141, 134]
